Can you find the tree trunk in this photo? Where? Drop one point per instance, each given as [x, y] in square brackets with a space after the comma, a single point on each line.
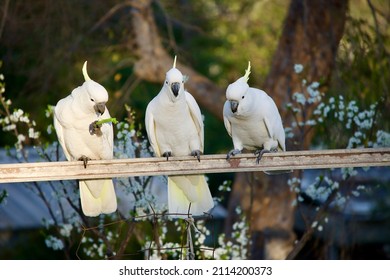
[311, 35]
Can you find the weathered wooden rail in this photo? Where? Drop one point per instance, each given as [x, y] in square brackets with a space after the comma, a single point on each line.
[314, 159]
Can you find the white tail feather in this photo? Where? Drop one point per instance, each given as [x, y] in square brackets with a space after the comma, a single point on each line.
[97, 197]
[189, 194]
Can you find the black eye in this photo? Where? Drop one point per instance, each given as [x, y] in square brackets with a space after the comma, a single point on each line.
[92, 100]
[243, 97]
[166, 82]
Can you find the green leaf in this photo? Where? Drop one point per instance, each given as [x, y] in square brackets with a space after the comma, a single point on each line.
[112, 120]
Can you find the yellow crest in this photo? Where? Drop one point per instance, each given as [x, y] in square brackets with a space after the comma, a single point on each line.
[247, 71]
[85, 73]
[174, 62]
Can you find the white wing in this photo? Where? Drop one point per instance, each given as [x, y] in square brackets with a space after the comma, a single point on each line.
[269, 127]
[59, 128]
[281, 137]
[226, 113]
[196, 117]
[151, 128]
[273, 123]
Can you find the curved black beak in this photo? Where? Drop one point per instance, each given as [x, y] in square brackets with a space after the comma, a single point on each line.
[233, 105]
[100, 107]
[175, 88]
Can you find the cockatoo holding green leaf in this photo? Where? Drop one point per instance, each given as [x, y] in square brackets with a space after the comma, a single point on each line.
[83, 138]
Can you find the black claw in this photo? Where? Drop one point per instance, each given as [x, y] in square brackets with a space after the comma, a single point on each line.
[260, 154]
[84, 159]
[232, 153]
[196, 153]
[167, 154]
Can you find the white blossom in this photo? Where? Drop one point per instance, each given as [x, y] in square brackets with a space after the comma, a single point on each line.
[24, 119]
[54, 243]
[9, 127]
[298, 68]
[66, 230]
[33, 134]
[49, 129]
[21, 138]
[355, 193]
[311, 122]
[382, 139]
[299, 98]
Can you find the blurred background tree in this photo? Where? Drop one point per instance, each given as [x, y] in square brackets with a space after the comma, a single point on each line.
[130, 45]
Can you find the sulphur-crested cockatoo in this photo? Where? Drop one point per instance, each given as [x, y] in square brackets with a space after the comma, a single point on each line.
[75, 118]
[175, 128]
[252, 119]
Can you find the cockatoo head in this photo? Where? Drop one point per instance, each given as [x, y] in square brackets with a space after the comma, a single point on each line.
[174, 83]
[236, 92]
[97, 95]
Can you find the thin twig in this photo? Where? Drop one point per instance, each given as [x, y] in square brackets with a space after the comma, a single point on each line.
[126, 240]
[379, 12]
[373, 11]
[309, 233]
[4, 19]
[110, 13]
[250, 220]
[171, 36]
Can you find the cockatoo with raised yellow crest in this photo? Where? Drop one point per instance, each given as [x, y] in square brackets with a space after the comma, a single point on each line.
[75, 118]
[252, 119]
[174, 126]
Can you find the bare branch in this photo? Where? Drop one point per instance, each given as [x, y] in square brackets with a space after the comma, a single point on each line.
[5, 15]
[110, 13]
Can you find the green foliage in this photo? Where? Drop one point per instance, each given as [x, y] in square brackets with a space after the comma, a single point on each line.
[363, 66]
[226, 34]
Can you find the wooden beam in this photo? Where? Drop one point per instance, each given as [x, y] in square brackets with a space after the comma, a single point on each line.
[315, 159]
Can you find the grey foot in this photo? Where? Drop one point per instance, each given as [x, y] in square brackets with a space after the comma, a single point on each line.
[167, 154]
[232, 153]
[260, 153]
[85, 160]
[196, 153]
[94, 128]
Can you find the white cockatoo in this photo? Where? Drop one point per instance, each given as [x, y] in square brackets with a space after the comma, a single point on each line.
[75, 118]
[175, 128]
[252, 119]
